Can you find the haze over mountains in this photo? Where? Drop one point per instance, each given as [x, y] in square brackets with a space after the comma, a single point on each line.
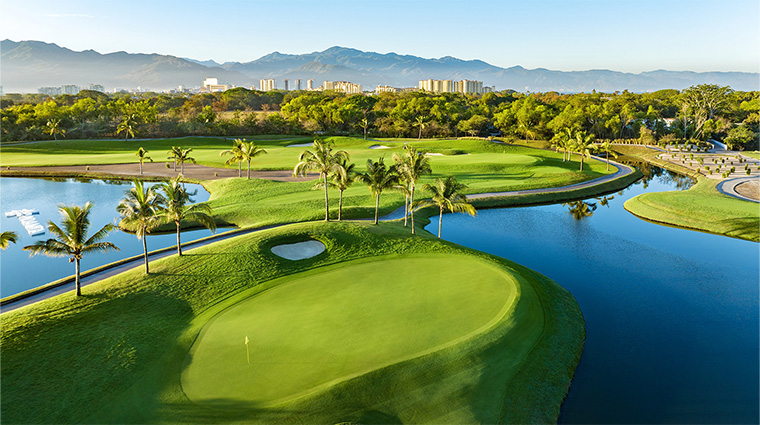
[27, 65]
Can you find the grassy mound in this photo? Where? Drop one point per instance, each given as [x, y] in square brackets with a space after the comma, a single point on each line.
[324, 326]
[701, 207]
[117, 354]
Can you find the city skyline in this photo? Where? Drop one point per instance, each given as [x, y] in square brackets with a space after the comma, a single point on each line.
[623, 35]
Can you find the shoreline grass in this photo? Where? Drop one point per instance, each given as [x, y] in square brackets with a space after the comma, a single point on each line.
[701, 207]
[120, 347]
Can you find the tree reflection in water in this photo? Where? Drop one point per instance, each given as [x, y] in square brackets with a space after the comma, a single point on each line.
[580, 209]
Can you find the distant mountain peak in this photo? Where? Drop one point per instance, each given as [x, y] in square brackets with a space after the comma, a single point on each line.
[30, 64]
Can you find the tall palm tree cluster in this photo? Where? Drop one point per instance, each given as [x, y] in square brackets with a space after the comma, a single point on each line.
[570, 141]
[143, 209]
[335, 171]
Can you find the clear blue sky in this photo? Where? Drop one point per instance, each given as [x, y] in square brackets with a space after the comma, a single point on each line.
[622, 35]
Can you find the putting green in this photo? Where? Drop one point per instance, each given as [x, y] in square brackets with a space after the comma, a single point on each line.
[324, 326]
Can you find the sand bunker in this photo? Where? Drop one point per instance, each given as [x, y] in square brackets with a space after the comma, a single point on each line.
[433, 154]
[300, 250]
[300, 145]
[379, 147]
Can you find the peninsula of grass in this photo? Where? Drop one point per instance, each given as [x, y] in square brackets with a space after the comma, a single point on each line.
[701, 207]
[433, 332]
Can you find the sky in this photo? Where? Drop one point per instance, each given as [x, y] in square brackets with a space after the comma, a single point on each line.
[566, 35]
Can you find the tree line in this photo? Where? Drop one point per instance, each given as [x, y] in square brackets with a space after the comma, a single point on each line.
[697, 113]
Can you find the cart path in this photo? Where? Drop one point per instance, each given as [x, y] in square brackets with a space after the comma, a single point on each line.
[138, 261]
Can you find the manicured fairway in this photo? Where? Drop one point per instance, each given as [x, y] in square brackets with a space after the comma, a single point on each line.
[321, 328]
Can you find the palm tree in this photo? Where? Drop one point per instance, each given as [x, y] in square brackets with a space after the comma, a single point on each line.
[142, 155]
[365, 124]
[419, 122]
[606, 147]
[54, 128]
[72, 240]
[249, 151]
[378, 178]
[563, 141]
[180, 156]
[343, 177]
[237, 155]
[322, 160]
[447, 196]
[179, 207]
[583, 145]
[411, 166]
[128, 125]
[140, 210]
[6, 238]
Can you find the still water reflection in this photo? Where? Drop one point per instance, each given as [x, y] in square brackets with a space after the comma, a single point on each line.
[671, 314]
[19, 272]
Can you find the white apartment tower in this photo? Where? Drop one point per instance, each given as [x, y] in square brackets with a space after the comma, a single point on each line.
[267, 85]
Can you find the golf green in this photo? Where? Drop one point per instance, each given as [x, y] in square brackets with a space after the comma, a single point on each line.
[327, 325]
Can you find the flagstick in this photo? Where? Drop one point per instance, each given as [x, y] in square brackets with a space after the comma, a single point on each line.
[247, 354]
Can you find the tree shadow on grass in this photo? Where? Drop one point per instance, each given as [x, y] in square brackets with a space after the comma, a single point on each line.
[742, 227]
[220, 410]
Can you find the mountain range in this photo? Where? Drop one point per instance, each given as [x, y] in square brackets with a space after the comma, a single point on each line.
[27, 65]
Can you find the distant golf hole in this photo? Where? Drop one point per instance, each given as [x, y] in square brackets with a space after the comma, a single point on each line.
[300, 250]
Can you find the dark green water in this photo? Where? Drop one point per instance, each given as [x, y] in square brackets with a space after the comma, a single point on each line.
[671, 314]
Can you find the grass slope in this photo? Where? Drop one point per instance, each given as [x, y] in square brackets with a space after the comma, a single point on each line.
[701, 207]
[117, 353]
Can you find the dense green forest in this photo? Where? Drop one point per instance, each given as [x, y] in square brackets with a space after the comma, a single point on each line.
[697, 113]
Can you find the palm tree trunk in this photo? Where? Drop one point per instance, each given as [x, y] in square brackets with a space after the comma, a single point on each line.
[240, 168]
[182, 167]
[581, 162]
[327, 202]
[419, 136]
[440, 221]
[145, 252]
[377, 205]
[608, 160]
[249, 169]
[411, 211]
[406, 209]
[77, 283]
[179, 245]
[340, 205]
[175, 165]
[140, 167]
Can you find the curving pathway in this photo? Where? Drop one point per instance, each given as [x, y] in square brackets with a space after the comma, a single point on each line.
[728, 187]
[137, 261]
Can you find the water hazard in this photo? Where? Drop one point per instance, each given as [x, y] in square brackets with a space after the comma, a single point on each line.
[19, 272]
[671, 314]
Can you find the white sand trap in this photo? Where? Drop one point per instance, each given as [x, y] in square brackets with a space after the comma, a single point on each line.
[433, 154]
[379, 147]
[300, 145]
[300, 250]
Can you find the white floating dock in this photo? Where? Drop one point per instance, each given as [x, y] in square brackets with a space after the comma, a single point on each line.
[30, 223]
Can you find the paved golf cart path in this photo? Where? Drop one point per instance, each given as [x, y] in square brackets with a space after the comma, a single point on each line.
[138, 261]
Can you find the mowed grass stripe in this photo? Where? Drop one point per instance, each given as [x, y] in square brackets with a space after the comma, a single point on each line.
[326, 327]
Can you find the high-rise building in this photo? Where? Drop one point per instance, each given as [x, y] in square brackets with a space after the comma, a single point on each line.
[387, 89]
[469, 87]
[267, 85]
[70, 89]
[298, 85]
[342, 86]
[309, 84]
[437, 86]
[97, 87]
[286, 84]
[50, 91]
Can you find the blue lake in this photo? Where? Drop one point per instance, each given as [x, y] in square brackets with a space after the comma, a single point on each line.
[671, 314]
[19, 272]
